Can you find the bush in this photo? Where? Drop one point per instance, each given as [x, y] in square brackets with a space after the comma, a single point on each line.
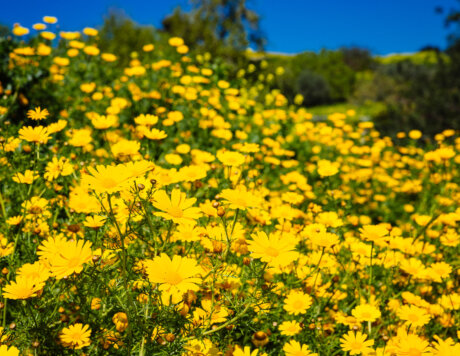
[314, 88]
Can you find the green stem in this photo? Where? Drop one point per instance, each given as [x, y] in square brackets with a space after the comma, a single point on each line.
[31, 313]
[227, 237]
[123, 270]
[318, 268]
[2, 206]
[142, 351]
[234, 221]
[370, 273]
[150, 224]
[228, 322]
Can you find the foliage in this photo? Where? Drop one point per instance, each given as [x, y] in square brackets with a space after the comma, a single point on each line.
[224, 28]
[313, 87]
[121, 36]
[329, 65]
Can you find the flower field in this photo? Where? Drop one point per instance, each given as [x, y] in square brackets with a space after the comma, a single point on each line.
[168, 208]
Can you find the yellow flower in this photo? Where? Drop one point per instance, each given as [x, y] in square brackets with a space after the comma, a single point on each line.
[356, 343]
[439, 271]
[43, 50]
[178, 209]
[94, 222]
[155, 134]
[5, 247]
[294, 348]
[246, 352]
[413, 315]
[96, 303]
[57, 126]
[366, 312]
[126, 149]
[290, 328]
[14, 220]
[88, 31]
[209, 312]
[37, 114]
[324, 239]
[9, 351]
[108, 57]
[70, 35]
[27, 178]
[240, 198]
[91, 50]
[20, 31]
[87, 87]
[173, 159]
[230, 158]
[175, 276]
[415, 134]
[23, 288]
[37, 134]
[66, 257]
[175, 41]
[36, 271]
[107, 179]
[276, 250]
[327, 168]
[373, 233]
[297, 302]
[39, 26]
[120, 320]
[102, 122]
[200, 347]
[446, 347]
[148, 47]
[58, 167]
[48, 35]
[188, 232]
[410, 344]
[50, 19]
[76, 336]
[192, 173]
[138, 168]
[182, 49]
[146, 119]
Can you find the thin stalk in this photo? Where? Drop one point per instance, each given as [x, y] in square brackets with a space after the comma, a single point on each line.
[228, 322]
[2, 206]
[124, 270]
[227, 237]
[142, 351]
[318, 270]
[150, 224]
[234, 221]
[370, 272]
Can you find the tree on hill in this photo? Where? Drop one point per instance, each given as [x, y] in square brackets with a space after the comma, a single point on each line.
[122, 36]
[224, 28]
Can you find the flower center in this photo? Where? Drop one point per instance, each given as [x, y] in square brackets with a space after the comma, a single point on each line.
[76, 337]
[356, 345]
[174, 278]
[414, 352]
[109, 183]
[272, 252]
[176, 212]
[73, 262]
[298, 304]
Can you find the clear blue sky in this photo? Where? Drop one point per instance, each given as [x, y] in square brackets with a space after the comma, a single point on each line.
[291, 26]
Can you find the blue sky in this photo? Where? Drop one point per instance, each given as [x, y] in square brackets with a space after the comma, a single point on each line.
[291, 26]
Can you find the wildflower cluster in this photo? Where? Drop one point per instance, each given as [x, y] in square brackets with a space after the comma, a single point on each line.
[162, 209]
